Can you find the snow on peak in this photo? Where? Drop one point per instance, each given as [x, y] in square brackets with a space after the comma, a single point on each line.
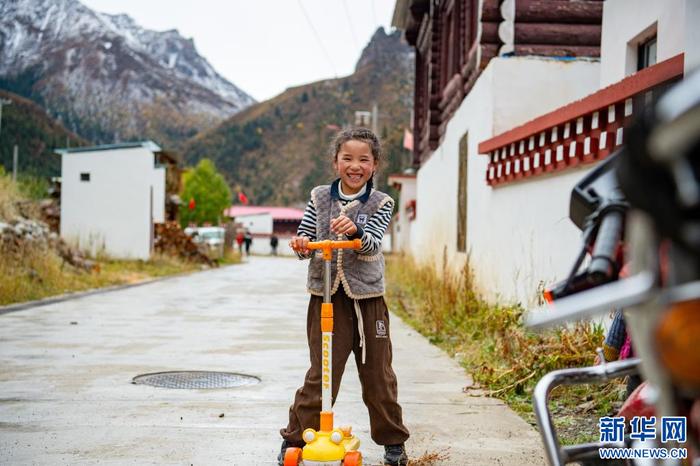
[31, 30]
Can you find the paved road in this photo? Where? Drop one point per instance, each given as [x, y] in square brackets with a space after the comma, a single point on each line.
[66, 395]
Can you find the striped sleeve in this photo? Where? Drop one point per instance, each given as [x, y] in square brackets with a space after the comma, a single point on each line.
[307, 227]
[373, 233]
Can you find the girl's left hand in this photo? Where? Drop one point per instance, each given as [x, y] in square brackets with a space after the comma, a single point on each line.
[343, 225]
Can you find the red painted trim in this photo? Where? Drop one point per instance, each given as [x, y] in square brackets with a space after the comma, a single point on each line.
[638, 82]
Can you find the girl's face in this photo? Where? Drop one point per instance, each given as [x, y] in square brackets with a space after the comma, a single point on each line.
[355, 165]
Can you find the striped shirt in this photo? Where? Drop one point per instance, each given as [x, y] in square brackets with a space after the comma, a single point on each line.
[371, 235]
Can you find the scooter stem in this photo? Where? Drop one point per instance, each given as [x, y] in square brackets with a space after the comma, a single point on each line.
[327, 247]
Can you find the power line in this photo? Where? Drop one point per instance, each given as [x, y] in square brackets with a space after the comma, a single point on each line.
[352, 29]
[318, 38]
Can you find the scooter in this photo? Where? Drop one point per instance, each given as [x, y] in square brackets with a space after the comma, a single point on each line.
[328, 446]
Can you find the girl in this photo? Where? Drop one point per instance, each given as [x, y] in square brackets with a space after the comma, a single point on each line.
[350, 208]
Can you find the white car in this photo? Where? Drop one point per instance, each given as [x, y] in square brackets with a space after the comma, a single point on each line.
[212, 237]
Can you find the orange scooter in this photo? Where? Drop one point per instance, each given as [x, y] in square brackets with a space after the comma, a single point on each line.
[328, 446]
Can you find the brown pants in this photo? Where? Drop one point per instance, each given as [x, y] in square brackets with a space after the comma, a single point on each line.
[379, 391]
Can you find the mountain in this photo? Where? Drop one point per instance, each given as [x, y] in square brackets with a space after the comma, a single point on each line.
[108, 79]
[36, 134]
[277, 150]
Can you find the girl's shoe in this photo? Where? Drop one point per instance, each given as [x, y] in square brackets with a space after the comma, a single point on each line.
[395, 455]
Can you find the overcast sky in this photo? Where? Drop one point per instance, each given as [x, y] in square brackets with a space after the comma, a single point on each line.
[266, 46]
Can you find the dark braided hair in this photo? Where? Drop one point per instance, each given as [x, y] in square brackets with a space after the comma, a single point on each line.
[357, 134]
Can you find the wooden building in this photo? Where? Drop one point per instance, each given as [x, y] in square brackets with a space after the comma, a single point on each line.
[515, 101]
[454, 41]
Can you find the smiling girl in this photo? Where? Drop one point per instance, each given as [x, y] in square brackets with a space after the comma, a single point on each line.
[350, 208]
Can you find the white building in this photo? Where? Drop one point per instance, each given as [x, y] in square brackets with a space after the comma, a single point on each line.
[264, 221]
[110, 198]
[501, 137]
[404, 212]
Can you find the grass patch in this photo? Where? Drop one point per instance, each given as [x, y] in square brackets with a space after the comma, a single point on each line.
[32, 270]
[505, 359]
[230, 257]
[9, 196]
[35, 272]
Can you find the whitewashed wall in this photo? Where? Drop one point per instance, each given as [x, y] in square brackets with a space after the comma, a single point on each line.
[111, 212]
[256, 223]
[402, 228]
[692, 36]
[261, 224]
[627, 22]
[158, 184]
[261, 246]
[518, 234]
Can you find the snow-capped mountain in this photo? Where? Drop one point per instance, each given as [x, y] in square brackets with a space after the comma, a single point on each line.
[108, 78]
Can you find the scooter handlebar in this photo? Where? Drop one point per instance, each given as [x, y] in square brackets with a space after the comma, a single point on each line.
[328, 245]
[350, 244]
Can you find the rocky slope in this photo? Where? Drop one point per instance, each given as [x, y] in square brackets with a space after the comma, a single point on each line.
[108, 79]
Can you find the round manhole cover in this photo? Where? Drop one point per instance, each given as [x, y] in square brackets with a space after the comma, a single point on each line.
[195, 379]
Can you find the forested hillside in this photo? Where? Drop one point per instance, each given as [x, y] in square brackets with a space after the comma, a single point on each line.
[36, 135]
[276, 151]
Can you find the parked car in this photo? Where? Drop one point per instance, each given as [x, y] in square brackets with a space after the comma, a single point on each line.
[211, 238]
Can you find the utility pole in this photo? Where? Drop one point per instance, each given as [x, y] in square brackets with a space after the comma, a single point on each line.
[15, 156]
[375, 117]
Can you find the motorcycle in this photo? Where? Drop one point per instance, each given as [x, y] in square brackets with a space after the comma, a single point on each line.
[644, 203]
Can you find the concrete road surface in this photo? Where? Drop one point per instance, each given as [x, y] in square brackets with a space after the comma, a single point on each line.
[66, 395]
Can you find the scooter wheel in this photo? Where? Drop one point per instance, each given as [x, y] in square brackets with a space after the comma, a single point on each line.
[292, 456]
[352, 458]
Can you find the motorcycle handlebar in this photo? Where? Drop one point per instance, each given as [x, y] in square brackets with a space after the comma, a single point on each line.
[603, 266]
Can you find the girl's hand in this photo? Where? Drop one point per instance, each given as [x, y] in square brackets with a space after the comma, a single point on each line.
[300, 244]
[343, 225]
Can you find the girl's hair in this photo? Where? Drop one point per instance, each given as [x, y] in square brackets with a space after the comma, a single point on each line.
[357, 134]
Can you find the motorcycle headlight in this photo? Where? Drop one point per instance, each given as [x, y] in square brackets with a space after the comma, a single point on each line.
[678, 343]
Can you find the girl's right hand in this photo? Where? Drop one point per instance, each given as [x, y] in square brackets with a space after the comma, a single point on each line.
[300, 244]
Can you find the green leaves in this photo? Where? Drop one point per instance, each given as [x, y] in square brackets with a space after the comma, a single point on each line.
[211, 195]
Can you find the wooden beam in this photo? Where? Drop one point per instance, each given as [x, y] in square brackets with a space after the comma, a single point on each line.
[558, 34]
[491, 11]
[489, 33]
[488, 51]
[558, 11]
[453, 85]
[419, 7]
[557, 50]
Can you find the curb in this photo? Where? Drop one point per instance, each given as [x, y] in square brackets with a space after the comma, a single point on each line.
[82, 294]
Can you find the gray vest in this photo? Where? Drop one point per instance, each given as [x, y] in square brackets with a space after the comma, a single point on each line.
[362, 276]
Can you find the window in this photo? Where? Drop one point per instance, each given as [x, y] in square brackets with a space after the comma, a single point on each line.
[641, 50]
[85, 177]
[646, 54]
[462, 195]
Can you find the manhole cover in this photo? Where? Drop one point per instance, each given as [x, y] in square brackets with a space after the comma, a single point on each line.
[195, 379]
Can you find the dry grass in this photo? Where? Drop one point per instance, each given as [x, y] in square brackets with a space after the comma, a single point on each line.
[231, 257]
[429, 459]
[505, 359]
[9, 197]
[34, 273]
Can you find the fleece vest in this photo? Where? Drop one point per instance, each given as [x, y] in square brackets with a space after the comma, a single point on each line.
[362, 275]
